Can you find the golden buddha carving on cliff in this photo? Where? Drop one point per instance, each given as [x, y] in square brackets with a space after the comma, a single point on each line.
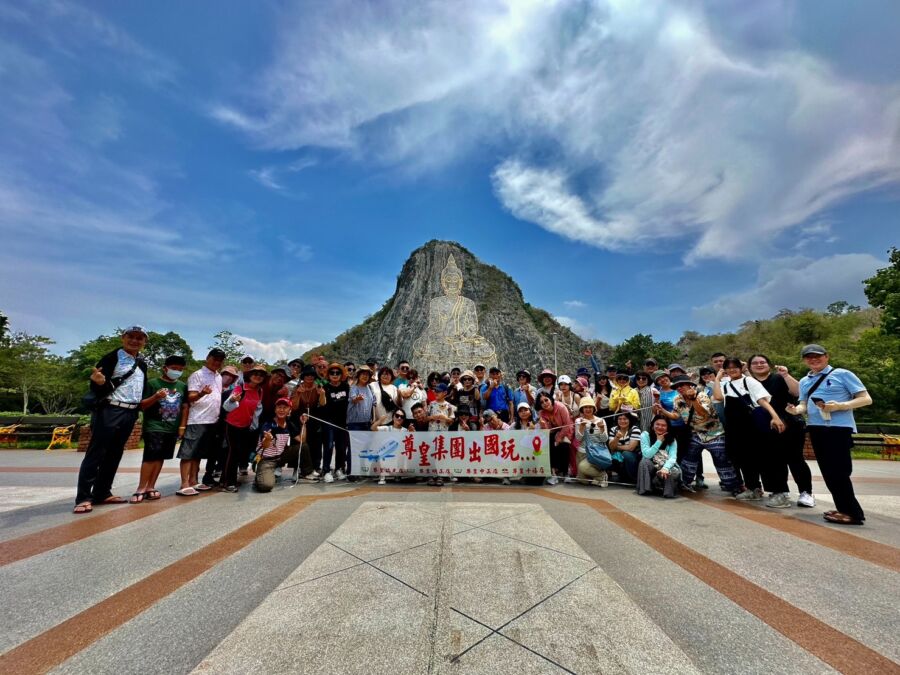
[451, 337]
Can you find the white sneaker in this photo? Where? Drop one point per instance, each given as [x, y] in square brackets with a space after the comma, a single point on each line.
[328, 478]
[806, 499]
[568, 479]
[312, 477]
[316, 474]
[339, 475]
[552, 480]
[750, 495]
[382, 481]
[603, 479]
[454, 479]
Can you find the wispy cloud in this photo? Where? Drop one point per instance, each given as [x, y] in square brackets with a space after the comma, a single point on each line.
[302, 252]
[574, 304]
[792, 283]
[269, 176]
[615, 123]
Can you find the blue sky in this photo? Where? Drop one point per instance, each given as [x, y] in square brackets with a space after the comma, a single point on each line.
[267, 167]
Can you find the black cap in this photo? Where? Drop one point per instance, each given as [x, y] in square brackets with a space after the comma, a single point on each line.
[495, 369]
[610, 367]
[176, 360]
[216, 353]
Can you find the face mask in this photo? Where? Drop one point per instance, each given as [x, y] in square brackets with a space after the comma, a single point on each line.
[173, 374]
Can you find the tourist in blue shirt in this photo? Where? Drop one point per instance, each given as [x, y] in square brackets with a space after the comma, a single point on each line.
[828, 397]
[497, 396]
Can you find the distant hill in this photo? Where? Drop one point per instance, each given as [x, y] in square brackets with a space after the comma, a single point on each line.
[520, 334]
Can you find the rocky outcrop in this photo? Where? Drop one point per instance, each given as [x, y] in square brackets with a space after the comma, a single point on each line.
[426, 303]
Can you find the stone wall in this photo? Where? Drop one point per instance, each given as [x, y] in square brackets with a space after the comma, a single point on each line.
[84, 437]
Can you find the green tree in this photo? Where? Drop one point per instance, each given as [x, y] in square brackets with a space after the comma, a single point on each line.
[228, 343]
[883, 291]
[23, 361]
[640, 347]
[161, 345]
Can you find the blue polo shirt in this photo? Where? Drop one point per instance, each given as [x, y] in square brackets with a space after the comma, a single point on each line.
[839, 385]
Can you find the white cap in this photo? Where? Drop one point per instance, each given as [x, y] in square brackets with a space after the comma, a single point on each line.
[564, 379]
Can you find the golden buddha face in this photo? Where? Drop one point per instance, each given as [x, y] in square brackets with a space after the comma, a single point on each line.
[451, 278]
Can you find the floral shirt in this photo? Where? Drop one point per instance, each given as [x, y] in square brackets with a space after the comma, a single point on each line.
[706, 427]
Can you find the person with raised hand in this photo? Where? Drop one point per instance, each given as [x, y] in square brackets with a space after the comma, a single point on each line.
[117, 385]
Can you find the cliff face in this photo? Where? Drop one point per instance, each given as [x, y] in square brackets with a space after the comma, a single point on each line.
[435, 326]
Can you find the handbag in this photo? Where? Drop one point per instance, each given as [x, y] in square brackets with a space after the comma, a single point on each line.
[597, 453]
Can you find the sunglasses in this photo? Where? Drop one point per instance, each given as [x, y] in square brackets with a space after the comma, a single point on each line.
[399, 416]
[335, 372]
[404, 368]
[351, 369]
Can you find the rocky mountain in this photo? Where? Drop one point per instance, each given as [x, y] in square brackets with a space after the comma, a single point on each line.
[451, 309]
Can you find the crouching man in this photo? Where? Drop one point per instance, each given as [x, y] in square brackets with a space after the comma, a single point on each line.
[275, 437]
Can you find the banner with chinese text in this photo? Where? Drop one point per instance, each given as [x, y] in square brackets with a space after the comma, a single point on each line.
[488, 453]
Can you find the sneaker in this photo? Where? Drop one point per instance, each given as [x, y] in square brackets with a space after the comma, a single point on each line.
[311, 477]
[700, 484]
[382, 481]
[750, 495]
[603, 479]
[339, 475]
[317, 474]
[687, 488]
[568, 479]
[505, 481]
[328, 478]
[779, 500]
[231, 488]
[454, 479]
[552, 480]
[806, 499]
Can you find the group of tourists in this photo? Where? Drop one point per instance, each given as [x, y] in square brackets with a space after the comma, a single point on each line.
[645, 427]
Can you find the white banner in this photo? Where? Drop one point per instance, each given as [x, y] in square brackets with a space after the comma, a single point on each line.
[463, 454]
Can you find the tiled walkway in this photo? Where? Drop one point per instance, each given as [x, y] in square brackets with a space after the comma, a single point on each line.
[354, 578]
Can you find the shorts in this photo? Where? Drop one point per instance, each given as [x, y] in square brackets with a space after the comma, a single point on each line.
[159, 446]
[196, 441]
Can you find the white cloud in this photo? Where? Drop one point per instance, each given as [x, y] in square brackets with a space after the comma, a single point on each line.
[586, 331]
[277, 350]
[303, 252]
[792, 283]
[575, 304]
[615, 123]
[268, 176]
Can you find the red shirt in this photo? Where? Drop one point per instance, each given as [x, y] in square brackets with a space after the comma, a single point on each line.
[242, 416]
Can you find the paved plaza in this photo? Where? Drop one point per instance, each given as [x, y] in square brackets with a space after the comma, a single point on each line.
[356, 578]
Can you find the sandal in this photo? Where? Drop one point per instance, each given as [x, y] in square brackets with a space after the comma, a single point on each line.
[84, 507]
[152, 495]
[137, 497]
[187, 492]
[112, 499]
[202, 487]
[839, 518]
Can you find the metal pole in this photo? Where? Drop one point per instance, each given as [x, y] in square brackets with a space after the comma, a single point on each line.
[555, 364]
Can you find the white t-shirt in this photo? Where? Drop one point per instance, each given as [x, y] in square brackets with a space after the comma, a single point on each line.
[745, 385]
[390, 390]
[205, 410]
[418, 396]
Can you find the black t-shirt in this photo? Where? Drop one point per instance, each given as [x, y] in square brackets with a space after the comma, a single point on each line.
[468, 397]
[778, 390]
[420, 426]
[336, 400]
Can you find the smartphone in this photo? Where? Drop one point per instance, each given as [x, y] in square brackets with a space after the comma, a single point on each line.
[817, 400]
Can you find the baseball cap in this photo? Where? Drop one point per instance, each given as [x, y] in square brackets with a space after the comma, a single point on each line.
[442, 387]
[676, 366]
[247, 357]
[216, 353]
[489, 413]
[478, 366]
[813, 349]
[134, 329]
[284, 401]
[230, 370]
[523, 404]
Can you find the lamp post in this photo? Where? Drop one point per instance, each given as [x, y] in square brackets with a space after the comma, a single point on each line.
[555, 364]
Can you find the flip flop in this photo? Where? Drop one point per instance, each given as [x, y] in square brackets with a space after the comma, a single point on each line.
[839, 518]
[84, 507]
[202, 487]
[152, 495]
[187, 492]
[112, 499]
[137, 497]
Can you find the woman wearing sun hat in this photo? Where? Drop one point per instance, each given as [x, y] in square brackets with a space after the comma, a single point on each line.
[243, 409]
[591, 435]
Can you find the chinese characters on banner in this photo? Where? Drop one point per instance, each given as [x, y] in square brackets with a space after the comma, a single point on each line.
[488, 453]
